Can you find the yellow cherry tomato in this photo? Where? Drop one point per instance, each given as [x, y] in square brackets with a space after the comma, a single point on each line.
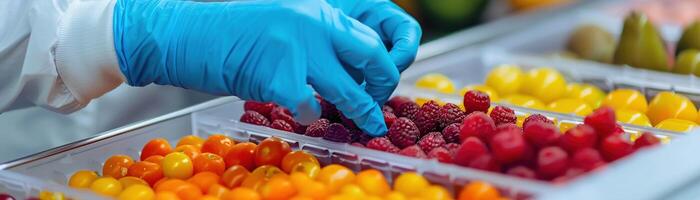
[544, 83]
[410, 184]
[137, 192]
[435, 192]
[667, 105]
[632, 117]
[626, 99]
[505, 79]
[46, 195]
[107, 186]
[335, 176]
[82, 179]
[586, 92]
[373, 182]
[437, 82]
[395, 196]
[352, 190]
[482, 88]
[679, 125]
[177, 165]
[524, 101]
[573, 106]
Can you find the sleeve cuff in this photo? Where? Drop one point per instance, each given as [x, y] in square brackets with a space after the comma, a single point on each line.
[85, 57]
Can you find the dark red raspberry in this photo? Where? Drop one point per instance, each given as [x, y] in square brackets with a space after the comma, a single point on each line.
[615, 147]
[403, 132]
[552, 162]
[452, 148]
[508, 147]
[328, 110]
[587, 159]
[396, 101]
[450, 114]
[382, 144]
[602, 120]
[337, 133]
[318, 128]
[386, 108]
[535, 118]
[541, 134]
[508, 127]
[260, 107]
[477, 124]
[426, 119]
[503, 115]
[357, 144]
[301, 129]
[407, 110]
[647, 139]
[389, 118]
[413, 151]
[359, 136]
[431, 141]
[470, 149]
[522, 172]
[255, 118]
[451, 133]
[579, 137]
[485, 162]
[440, 154]
[281, 113]
[281, 125]
[475, 100]
[347, 122]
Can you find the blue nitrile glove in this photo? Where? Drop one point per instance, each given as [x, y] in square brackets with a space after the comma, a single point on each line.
[396, 27]
[266, 50]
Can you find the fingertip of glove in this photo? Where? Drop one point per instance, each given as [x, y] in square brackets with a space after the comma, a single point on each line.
[308, 111]
[374, 124]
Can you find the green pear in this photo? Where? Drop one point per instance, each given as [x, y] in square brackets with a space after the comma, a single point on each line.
[640, 45]
[688, 62]
[690, 38]
[591, 42]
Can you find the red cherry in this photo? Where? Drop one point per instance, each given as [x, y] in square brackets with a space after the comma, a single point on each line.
[614, 147]
[522, 172]
[485, 162]
[508, 146]
[470, 149]
[579, 137]
[552, 162]
[647, 139]
[541, 134]
[587, 159]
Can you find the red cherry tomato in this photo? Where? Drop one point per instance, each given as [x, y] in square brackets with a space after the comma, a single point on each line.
[271, 151]
[117, 166]
[148, 171]
[158, 146]
[209, 162]
[217, 144]
[190, 150]
[241, 154]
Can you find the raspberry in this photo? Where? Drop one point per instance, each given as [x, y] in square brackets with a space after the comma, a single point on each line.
[389, 118]
[301, 129]
[426, 119]
[602, 120]
[647, 139]
[541, 134]
[328, 110]
[255, 118]
[503, 115]
[347, 122]
[508, 127]
[452, 148]
[475, 100]
[318, 128]
[359, 136]
[407, 110]
[614, 147]
[337, 133]
[451, 133]
[485, 162]
[386, 108]
[470, 149]
[522, 172]
[535, 118]
[450, 114]
[440, 154]
[281, 125]
[587, 159]
[260, 107]
[396, 101]
[508, 146]
[382, 144]
[281, 113]
[477, 124]
[552, 162]
[431, 141]
[413, 151]
[579, 137]
[403, 132]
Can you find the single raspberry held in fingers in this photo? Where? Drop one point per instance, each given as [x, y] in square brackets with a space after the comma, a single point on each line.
[451, 133]
[382, 144]
[615, 147]
[552, 162]
[337, 133]
[252, 117]
[541, 134]
[470, 149]
[587, 159]
[503, 115]
[281, 113]
[535, 118]
[260, 107]
[450, 114]
[475, 100]
[602, 120]
[407, 110]
[318, 128]
[403, 133]
[485, 162]
[430, 141]
[281, 125]
[579, 137]
[647, 139]
[508, 127]
[522, 172]
[508, 147]
[477, 124]
[426, 119]
[389, 118]
[413, 151]
[441, 154]
[396, 101]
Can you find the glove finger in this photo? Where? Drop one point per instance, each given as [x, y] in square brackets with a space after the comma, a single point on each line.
[405, 35]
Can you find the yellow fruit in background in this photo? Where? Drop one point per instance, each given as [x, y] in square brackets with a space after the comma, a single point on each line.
[82, 179]
[632, 117]
[544, 83]
[591, 94]
[573, 106]
[107, 186]
[437, 82]
[524, 101]
[626, 99]
[679, 125]
[505, 79]
[565, 126]
[667, 105]
[421, 100]
[137, 192]
[410, 183]
[482, 88]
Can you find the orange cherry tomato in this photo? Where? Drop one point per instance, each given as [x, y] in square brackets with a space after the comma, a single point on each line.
[193, 140]
[293, 158]
[207, 197]
[148, 171]
[234, 176]
[182, 189]
[204, 180]
[158, 146]
[209, 162]
[217, 144]
[307, 168]
[166, 196]
[217, 190]
[159, 182]
[271, 151]
[241, 154]
[130, 180]
[157, 159]
[278, 188]
[479, 191]
[188, 150]
[241, 193]
[261, 175]
[117, 166]
[335, 176]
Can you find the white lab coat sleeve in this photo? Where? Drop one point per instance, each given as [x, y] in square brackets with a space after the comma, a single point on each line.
[56, 54]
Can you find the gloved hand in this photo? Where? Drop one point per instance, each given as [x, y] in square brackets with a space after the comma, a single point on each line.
[265, 50]
[397, 29]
